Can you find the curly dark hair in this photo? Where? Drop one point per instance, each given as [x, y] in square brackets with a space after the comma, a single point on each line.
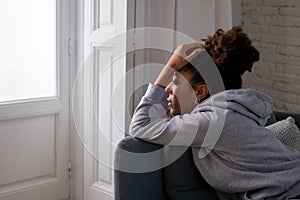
[233, 53]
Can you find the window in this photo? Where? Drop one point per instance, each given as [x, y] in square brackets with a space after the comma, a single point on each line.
[27, 49]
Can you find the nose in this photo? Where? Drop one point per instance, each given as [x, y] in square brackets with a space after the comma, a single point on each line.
[168, 88]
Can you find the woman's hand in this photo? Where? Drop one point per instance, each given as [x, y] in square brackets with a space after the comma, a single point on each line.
[182, 55]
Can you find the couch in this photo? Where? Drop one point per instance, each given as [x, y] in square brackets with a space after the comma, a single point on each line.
[178, 181]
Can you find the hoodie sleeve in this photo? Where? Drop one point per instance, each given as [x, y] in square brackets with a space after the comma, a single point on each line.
[152, 123]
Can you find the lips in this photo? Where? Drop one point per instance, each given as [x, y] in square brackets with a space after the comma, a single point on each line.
[170, 102]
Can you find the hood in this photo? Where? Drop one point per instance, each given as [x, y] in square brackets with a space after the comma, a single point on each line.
[249, 102]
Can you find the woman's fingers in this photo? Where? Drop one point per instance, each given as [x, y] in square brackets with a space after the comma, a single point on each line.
[183, 54]
[194, 53]
[182, 49]
[192, 45]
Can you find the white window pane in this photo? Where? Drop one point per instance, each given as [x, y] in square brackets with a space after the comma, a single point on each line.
[27, 49]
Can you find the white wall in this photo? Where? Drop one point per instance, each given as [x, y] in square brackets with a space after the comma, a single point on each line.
[274, 27]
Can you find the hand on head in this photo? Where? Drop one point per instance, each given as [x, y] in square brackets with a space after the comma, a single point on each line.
[183, 54]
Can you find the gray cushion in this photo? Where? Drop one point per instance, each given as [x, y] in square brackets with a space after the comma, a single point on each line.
[287, 132]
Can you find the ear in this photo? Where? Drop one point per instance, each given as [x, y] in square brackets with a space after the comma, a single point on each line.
[201, 91]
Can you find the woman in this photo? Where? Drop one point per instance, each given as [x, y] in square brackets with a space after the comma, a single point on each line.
[246, 160]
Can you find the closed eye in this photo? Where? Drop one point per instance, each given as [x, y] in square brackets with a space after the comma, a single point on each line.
[175, 79]
[175, 82]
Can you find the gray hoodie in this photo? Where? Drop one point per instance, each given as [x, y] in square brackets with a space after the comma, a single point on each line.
[232, 149]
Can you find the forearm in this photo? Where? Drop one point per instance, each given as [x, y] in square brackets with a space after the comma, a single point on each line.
[153, 106]
[164, 77]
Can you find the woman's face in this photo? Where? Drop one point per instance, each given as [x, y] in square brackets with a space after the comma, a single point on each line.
[182, 96]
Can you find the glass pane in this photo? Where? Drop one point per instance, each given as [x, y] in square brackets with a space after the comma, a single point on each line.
[27, 49]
